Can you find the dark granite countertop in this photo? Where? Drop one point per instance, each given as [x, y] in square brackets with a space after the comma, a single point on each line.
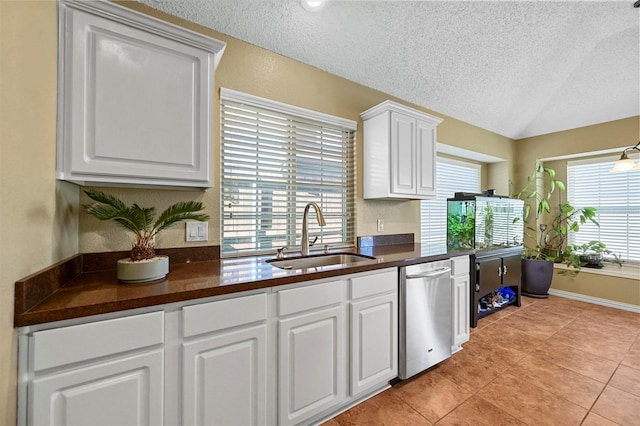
[76, 287]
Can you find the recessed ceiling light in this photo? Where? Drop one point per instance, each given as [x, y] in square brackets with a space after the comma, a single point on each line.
[314, 5]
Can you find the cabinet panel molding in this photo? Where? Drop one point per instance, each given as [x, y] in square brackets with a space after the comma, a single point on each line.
[123, 391]
[311, 364]
[83, 342]
[135, 100]
[374, 342]
[225, 379]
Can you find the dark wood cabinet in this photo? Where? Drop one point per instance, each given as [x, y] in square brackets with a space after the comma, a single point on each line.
[494, 270]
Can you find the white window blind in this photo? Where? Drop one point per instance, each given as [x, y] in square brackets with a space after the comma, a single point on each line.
[616, 196]
[276, 158]
[451, 176]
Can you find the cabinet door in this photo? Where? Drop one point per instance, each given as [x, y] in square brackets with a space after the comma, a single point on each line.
[311, 364]
[224, 379]
[489, 275]
[374, 341]
[124, 391]
[460, 288]
[403, 154]
[511, 270]
[426, 167]
[136, 98]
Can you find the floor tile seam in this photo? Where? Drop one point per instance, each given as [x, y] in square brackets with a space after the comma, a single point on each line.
[600, 394]
[630, 366]
[454, 408]
[591, 353]
[408, 404]
[557, 396]
[485, 400]
[574, 371]
[488, 401]
[614, 386]
[610, 329]
[535, 330]
[411, 407]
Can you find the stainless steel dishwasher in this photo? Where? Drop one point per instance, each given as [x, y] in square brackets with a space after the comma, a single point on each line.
[425, 316]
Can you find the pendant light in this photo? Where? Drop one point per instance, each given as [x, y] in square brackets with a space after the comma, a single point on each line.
[624, 164]
[314, 5]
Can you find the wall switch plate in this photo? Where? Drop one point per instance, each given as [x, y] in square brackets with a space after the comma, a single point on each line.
[380, 225]
[197, 231]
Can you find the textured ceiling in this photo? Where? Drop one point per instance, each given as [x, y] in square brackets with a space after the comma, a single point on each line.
[517, 68]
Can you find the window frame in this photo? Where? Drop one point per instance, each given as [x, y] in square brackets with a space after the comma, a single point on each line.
[292, 117]
[607, 205]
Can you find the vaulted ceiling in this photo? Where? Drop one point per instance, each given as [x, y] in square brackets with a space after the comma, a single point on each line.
[517, 68]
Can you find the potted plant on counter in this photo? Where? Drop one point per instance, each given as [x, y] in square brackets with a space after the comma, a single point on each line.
[142, 265]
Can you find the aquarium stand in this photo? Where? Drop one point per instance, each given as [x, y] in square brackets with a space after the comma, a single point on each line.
[496, 271]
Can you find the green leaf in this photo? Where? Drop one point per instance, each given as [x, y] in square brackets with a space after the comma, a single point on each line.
[103, 198]
[183, 210]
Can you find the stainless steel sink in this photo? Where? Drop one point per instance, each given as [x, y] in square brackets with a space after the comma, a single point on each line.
[319, 260]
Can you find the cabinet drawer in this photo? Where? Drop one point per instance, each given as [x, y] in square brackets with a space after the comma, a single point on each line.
[460, 265]
[215, 316]
[380, 282]
[67, 345]
[310, 297]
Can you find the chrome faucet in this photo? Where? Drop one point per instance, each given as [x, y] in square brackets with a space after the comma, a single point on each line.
[304, 240]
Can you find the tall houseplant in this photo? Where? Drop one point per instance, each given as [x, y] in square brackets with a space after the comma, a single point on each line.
[537, 263]
[142, 264]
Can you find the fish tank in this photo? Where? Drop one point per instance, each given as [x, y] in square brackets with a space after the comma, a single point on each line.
[484, 221]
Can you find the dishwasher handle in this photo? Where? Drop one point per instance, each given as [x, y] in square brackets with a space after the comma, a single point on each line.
[429, 274]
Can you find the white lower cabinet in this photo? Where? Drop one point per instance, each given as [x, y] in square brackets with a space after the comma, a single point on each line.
[100, 373]
[287, 356]
[126, 391]
[374, 330]
[311, 358]
[224, 362]
[460, 287]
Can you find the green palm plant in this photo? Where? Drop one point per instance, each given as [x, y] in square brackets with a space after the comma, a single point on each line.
[140, 220]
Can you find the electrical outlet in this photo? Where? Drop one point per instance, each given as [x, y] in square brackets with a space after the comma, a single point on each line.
[380, 225]
[197, 231]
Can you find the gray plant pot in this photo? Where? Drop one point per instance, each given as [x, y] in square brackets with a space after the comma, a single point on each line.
[142, 271]
[591, 260]
[536, 277]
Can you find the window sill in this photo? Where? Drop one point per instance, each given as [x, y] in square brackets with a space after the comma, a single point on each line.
[628, 270]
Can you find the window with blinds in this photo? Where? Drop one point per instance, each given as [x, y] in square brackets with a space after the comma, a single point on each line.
[616, 196]
[452, 176]
[276, 158]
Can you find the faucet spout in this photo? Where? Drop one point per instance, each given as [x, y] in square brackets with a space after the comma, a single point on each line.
[304, 240]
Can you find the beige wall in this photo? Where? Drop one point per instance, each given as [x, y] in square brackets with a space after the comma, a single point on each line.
[607, 287]
[38, 216]
[612, 135]
[617, 134]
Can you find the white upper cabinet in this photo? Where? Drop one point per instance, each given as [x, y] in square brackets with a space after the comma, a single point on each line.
[135, 100]
[399, 152]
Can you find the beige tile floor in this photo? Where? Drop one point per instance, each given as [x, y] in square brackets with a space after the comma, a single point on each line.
[552, 361]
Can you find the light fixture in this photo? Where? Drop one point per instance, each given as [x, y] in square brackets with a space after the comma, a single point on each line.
[624, 164]
[314, 5]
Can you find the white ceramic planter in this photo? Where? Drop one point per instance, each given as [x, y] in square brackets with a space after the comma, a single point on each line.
[142, 271]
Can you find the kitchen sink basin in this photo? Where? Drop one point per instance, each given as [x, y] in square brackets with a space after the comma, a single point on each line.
[319, 260]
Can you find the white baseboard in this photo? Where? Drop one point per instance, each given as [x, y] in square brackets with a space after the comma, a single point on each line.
[596, 300]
